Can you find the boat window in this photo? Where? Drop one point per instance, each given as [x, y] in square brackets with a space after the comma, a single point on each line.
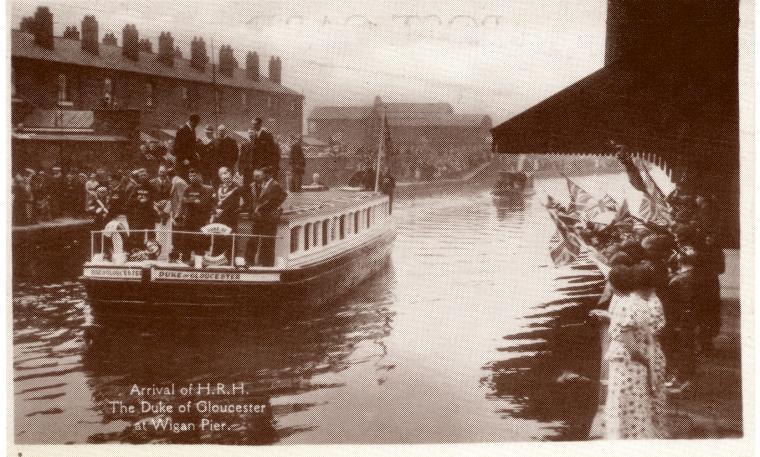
[295, 235]
[317, 231]
[306, 236]
[334, 229]
[369, 217]
[342, 226]
[325, 227]
[356, 222]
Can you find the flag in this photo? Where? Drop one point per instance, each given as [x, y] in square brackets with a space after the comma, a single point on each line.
[653, 206]
[583, 203]
[564, 245]
[622, 213]
[634, 175]
[608, 203]
[384, 150]
[580, 200]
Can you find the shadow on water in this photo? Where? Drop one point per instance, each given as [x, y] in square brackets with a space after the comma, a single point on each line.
[277, 357]
[549, 370]
[543, 385]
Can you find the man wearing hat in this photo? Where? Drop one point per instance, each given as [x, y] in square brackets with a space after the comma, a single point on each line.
[57, 192]
[206, 153]
[185, 145]
[226, 150]
[250, 159]
[197, 202]
[266, 147]
[266, 215]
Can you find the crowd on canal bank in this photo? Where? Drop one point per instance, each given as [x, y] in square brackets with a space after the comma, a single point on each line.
[41, 195]
[662, 300]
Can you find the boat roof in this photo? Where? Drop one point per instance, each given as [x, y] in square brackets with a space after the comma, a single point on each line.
[302, 204]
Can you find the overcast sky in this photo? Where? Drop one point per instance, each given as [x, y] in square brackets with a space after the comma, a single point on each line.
[492, 57]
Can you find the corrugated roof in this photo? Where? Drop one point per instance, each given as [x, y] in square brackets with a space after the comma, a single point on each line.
[110, 57]
[438, 120]
[340, 112]
[418, 108]
[78, 137]
[44, 118]
[403, 114]
[314, 142]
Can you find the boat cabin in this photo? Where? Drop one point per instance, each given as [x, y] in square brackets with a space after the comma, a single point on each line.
[314, 227]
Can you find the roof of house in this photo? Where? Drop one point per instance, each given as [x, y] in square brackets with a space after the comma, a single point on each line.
[111, 57]
[439, 120]
[66, 136]
[418, 108]
[340, 112]
[403, 114]
[73, 119]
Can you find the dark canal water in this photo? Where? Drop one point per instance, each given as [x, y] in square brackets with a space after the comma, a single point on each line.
[461, 339]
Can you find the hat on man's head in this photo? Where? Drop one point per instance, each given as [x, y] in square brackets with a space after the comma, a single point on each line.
[209, 128]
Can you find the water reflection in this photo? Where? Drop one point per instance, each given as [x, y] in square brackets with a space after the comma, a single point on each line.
[461, 339]
[278, 357]
[551, 380]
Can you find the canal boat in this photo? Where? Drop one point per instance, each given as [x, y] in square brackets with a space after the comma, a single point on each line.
[511, 185]
[326, 243]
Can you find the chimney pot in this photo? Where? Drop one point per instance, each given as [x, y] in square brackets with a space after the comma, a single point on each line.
[71, 32]
[252, 66]
[43, 27]
[109, 39]
[166, 49]
[130, 42]
[90, 34]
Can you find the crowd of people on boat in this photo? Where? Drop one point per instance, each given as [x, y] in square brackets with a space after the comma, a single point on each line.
[186, 188]
[662, 301]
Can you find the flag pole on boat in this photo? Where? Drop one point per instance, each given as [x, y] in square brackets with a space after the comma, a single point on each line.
[381, 149]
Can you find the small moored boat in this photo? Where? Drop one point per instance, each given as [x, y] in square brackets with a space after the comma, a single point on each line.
[513, 185]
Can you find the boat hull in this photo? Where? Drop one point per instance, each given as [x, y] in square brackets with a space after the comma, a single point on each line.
[164, 291]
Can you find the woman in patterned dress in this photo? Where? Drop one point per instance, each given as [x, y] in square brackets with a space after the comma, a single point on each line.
[635, 404]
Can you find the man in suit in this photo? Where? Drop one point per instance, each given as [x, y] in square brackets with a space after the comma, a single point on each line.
[225, 151]
[266, 213]
[250, 159]
[198, 200]
[207, 154]
[297, 166]
[226, 208]
[265, 147]
[185, 146]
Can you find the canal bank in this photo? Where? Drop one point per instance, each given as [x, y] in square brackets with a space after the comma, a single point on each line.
[712, 407]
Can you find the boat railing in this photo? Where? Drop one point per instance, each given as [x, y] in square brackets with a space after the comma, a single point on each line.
[142, 244]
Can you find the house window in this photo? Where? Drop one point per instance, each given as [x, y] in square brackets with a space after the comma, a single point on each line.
[108, 87]
[148, 94]
[63, 89]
